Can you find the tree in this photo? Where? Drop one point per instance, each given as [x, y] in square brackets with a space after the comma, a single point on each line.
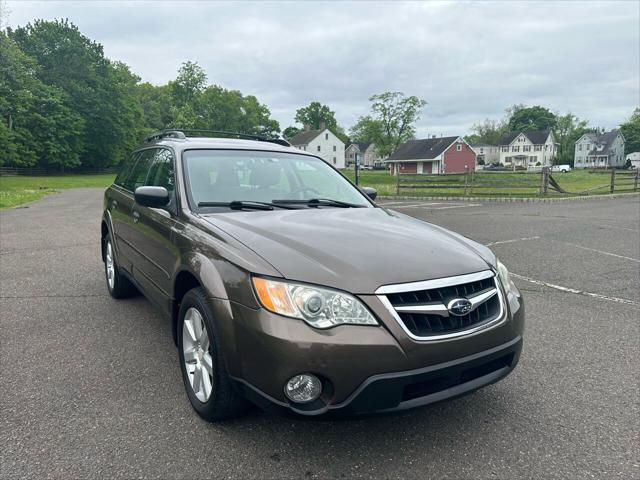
[101, 92]
[290, 132]
[393, 114]
[367, 130]
[569, 128]
[523, 119]
[155, 102]
[189, 84]
[488, 132]
[631, 132]
[315, 114]
[36, 126]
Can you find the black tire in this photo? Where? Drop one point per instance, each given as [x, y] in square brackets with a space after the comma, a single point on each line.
[121, 287]
[224, 402]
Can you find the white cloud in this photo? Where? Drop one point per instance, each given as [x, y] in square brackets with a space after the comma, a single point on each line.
[469, 60]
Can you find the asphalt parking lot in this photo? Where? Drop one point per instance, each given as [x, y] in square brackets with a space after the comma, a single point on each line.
[90, 387]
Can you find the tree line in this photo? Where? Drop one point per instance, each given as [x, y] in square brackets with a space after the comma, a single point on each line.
[64, 105]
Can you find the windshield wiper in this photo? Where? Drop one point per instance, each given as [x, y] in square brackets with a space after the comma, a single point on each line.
[318, 202]
[243, 204]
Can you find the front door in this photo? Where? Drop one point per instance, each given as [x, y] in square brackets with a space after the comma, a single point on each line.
[153, 232]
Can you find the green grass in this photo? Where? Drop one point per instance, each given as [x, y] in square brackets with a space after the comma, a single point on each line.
[575, 182]
[16, 190]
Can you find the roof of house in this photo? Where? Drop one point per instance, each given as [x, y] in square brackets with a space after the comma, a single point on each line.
[304, 137]
[605, 140]
[361, 146]
[427, 149]
[537, 137]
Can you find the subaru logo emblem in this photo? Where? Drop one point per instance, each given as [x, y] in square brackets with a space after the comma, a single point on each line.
[459, 306]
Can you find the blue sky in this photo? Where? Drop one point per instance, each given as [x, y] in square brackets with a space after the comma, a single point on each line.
[469, 60]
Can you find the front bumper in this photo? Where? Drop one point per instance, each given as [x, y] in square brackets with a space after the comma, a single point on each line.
[392, 392]
[363, 368]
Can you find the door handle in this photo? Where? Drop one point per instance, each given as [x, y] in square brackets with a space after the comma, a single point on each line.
[136, 217]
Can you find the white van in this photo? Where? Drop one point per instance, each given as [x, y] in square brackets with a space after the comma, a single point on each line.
[561, 168]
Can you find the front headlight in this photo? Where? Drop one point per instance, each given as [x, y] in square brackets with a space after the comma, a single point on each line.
[503, 274]
[319, 307]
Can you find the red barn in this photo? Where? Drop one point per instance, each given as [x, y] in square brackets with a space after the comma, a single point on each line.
[433, 155]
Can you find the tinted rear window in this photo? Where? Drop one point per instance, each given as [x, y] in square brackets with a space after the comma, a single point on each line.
[125, 170]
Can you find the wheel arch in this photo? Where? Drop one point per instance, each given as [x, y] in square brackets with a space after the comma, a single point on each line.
[196, 271]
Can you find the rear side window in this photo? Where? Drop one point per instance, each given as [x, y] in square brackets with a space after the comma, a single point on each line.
[140, 170]
[125, 170]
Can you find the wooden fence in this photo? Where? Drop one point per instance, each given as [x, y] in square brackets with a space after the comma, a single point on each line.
[472, 184]
[504, 184]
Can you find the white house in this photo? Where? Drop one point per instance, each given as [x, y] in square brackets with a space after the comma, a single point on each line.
[487, 153]
[524, 149]
[367, 153]
[634, 158]
[323, 143]
[595, 149]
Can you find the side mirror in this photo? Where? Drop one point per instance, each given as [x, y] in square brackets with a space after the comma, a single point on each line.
[154, 197]
[372, 193]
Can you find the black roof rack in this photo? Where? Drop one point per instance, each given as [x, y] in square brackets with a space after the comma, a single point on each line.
[189, 132]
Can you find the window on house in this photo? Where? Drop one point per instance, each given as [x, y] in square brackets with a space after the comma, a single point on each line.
[334, 160]
[334, 148]
[515, 148]
[505, 148]
[326, 136]
[537, 148]
[526, 148]
[318, 147]
[459, 147]
[580, 147]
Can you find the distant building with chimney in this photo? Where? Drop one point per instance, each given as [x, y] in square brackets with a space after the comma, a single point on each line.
[323, 143]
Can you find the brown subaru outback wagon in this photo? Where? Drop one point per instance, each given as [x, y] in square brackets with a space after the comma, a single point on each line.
[288, 287]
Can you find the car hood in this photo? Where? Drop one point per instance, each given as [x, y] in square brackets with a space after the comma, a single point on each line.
[353, 249]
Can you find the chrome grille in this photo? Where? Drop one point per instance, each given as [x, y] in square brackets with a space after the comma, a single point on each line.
[422, 310]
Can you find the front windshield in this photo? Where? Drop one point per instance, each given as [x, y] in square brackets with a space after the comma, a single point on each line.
[222, 176]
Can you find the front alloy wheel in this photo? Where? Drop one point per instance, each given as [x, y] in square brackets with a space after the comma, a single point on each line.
[197, 358]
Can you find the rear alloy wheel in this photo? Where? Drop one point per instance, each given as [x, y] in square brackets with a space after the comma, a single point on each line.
[118, 285]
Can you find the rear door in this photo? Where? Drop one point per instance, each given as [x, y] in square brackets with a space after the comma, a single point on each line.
[119, 204]
[156, 254]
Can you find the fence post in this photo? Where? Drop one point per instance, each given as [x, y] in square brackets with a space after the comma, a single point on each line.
[397, 170]
[544, 183]
[613, 180]
[473, 181]
[466, 179]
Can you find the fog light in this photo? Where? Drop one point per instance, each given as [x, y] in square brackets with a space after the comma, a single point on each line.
[303, 388]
